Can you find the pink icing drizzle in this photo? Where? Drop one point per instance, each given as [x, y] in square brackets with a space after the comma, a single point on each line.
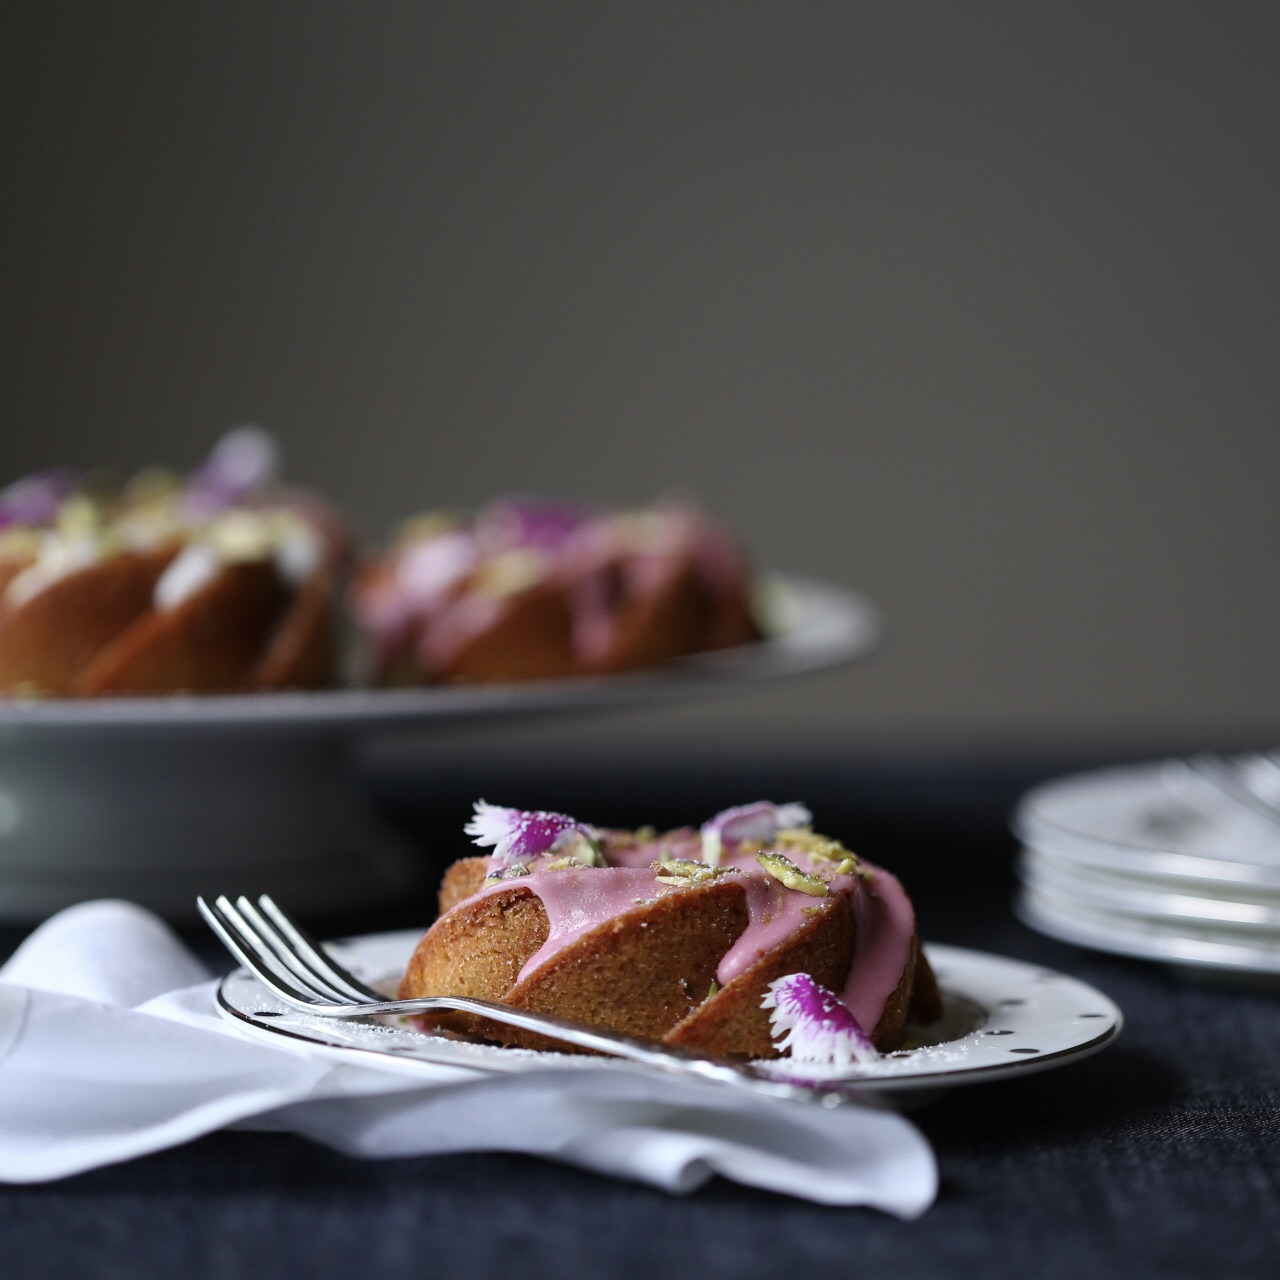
[578, 900]
[886, 925]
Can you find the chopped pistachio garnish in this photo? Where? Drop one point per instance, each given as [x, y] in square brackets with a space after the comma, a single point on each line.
[819, 848]
[241, 536]
[79, 516]
[583, 852]
[684, 872]
[780, 867]
[587, 852]
[19, 543]
[715, 986]
[152, 484]
[511, 572]
[427, 525]
[590, 858]
[507, 873]
[811, 911]
[834, 857]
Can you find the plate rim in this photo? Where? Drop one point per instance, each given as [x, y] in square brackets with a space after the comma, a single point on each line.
[940, 955]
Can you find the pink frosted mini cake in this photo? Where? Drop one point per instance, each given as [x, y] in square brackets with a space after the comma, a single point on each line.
[530, 590]
[214, 582]
[749, 937]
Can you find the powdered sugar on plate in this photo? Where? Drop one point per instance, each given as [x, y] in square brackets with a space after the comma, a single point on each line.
[1001, 1017]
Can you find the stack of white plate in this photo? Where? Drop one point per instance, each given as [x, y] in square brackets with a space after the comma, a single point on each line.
[1156, 860]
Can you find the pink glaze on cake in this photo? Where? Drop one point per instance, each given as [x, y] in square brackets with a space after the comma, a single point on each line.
[775, 913]
[580, 899]
[886, 925]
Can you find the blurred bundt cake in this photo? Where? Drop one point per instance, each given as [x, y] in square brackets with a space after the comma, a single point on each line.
[528, 590]
[219, 581]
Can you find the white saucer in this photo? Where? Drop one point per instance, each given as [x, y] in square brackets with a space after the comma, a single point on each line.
[1002, 1018]
[1172, 904]
[1150, 861]
[1142, 820]
[1180, 944]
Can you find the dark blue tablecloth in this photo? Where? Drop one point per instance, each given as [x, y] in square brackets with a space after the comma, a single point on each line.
[1158, 1157]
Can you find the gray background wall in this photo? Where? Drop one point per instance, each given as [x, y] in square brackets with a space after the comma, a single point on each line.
[971, 306]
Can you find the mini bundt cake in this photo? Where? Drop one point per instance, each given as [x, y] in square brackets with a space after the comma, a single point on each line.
[218, 582]
[528, 590]
[691, 937]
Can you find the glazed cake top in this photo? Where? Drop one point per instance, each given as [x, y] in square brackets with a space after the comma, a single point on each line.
[585, 876]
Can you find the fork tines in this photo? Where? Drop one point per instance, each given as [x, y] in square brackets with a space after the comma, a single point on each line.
[281, 954]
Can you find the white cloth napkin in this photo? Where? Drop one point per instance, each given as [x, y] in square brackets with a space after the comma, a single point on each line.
[111, 1047]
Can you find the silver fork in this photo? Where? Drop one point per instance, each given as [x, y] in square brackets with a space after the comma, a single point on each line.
[297, 970]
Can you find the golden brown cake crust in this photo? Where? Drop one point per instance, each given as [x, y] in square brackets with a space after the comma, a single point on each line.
[732, 1022]
[731, 622]
[662, 624]
[302, 653]
[47, 642]
[464, 877]
[621, 975]
[531, 639]
[207, 644]
[925, 1005]
[477, 950]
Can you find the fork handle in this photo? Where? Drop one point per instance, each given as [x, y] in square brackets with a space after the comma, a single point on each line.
[647, 1052]
[544, 1024]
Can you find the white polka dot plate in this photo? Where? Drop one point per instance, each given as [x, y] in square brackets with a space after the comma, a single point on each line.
[1001, 1018]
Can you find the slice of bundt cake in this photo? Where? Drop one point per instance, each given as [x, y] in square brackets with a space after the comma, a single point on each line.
[683, 937]
[219, 581]
[526, 590]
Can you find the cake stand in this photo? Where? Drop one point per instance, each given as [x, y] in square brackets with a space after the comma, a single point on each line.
[160, 799]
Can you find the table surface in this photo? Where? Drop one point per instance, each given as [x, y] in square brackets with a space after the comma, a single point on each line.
[1158, 1157]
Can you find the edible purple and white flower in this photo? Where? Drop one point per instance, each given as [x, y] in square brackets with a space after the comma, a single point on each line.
[245, 459]
[812, 1025]
[429, 568]
[517, 835]
[35, 499]
[760, 821]
[529, 524]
